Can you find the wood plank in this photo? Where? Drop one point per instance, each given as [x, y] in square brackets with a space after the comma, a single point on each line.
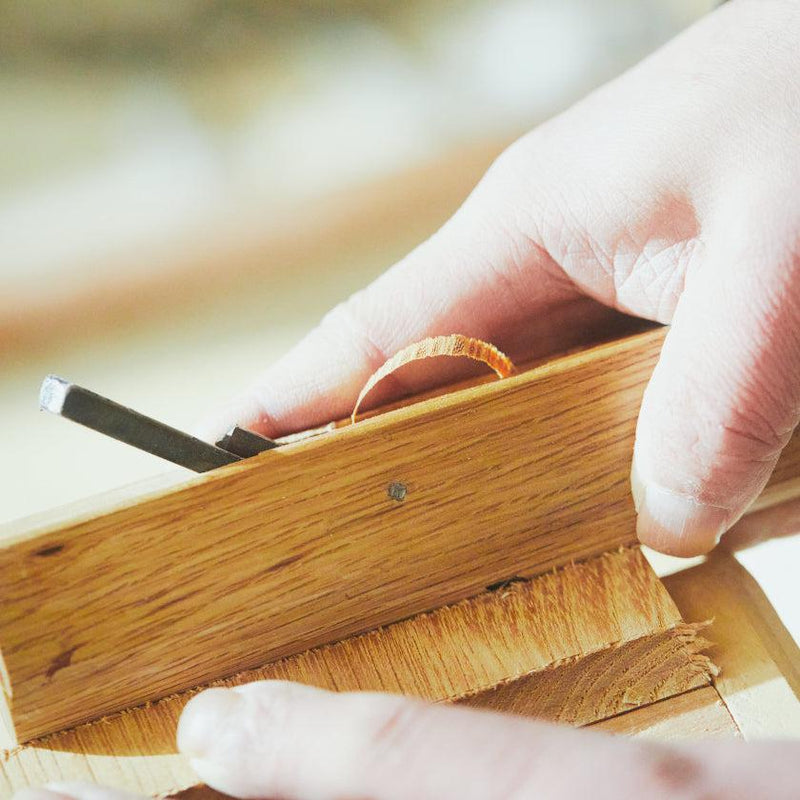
[699, 714]
[538, 631]
[759, 661]
[303, 544]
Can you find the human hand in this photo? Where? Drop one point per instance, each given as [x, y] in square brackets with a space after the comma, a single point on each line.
[670, 193]
[282, 740]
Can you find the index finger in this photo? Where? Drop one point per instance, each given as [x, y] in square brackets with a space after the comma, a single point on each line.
[480, 276]
[274, 739]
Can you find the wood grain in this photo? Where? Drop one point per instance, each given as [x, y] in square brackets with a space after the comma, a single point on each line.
[699, 714]
[304, 545]
[759, 662]
[600, 685]
[610, 614]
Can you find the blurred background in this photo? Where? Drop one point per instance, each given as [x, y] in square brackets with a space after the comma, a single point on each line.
[187, 186]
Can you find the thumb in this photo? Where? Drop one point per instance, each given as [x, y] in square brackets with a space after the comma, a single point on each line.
[724, 398]
[480, 276]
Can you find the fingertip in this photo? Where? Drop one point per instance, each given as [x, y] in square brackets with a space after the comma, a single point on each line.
[678, 525]
[671, 521]
[249, 740]
[203, 719]
[637, 485]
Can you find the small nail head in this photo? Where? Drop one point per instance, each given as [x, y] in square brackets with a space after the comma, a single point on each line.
[397, 491]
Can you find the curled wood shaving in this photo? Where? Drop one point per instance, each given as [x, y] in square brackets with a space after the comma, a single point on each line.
[453, 345]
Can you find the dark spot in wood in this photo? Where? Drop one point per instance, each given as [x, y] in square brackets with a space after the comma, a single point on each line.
[674, 771]
[397, 491]
[51, 550]
[61, 662]
[284, 563]
[505, 583]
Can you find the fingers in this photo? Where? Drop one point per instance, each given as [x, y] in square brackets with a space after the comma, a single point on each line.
[480, 276]
[769, 523]
[273, 739]
[276, 739]
[725, 396]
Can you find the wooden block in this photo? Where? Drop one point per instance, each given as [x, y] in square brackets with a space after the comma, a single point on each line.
[699, 714]
[759, 662]
[610, 613]
[304, 544]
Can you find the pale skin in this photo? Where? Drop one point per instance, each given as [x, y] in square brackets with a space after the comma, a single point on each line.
[672, 193]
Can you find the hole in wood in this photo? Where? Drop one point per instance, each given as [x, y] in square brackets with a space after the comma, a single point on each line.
[49, 551]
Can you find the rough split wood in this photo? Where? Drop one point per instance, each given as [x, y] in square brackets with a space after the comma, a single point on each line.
[305, 544]
[583, 643]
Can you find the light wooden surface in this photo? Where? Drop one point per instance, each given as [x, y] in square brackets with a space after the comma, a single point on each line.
[759, 679]
[303, 544]
[610, 614]
[756, 691]
[698, 714]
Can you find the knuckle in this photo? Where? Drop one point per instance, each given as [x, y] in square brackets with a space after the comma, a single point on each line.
[522, 176]
[347, 323]
[515, 159]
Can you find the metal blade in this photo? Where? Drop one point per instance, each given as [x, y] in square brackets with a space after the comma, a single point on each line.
[126, 425]
[244, 443]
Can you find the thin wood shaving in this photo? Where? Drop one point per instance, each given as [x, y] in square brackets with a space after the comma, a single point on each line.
[453, 345]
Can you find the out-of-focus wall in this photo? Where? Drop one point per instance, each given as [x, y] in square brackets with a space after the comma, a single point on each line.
[139, 127]
[186, 187]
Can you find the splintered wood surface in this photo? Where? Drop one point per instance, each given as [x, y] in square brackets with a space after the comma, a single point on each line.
[610, 614]
[305, 544]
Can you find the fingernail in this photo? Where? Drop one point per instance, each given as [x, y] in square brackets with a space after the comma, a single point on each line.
[637, 486]
[204, 717]
[40, 794]
[678, 525]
